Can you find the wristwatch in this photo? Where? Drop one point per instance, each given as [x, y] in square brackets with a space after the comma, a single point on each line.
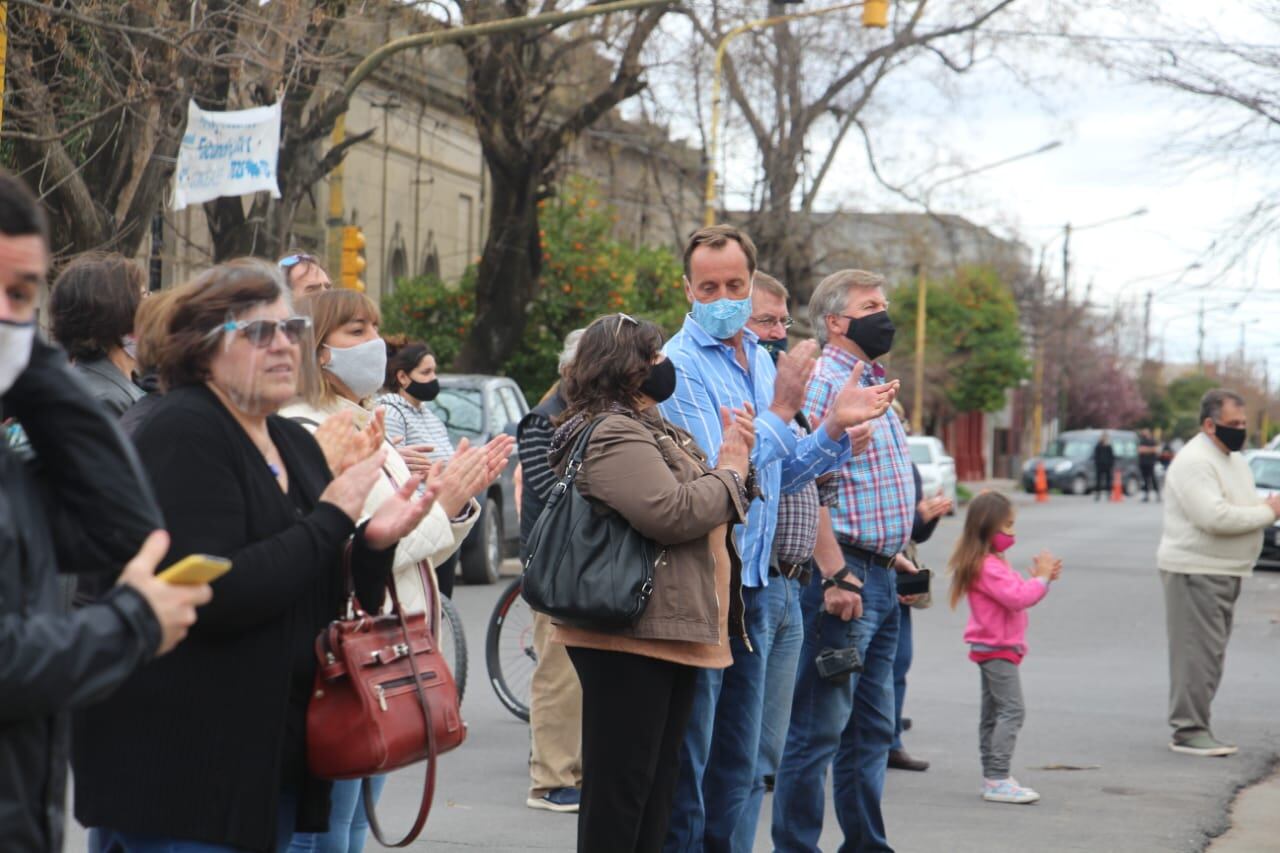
[837, 581]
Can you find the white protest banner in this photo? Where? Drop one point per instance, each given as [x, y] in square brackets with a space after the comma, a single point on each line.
[227, 154]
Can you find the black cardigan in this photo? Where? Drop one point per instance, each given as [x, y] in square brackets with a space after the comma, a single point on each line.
[192, 746]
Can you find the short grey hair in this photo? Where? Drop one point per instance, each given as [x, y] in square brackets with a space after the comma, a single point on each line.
[832, 295]
[570, 349]
[1211, 402]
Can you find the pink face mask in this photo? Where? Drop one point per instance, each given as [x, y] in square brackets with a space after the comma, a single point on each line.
[1003, 541]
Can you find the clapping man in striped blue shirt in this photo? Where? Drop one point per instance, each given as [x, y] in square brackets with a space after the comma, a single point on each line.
[719, 364]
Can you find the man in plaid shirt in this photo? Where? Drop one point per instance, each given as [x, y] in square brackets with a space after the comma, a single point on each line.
[849, 723]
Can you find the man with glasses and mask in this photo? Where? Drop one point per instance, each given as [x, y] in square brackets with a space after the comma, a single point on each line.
[720, 364]
[304, 275]
[848, 722]
[1213, 523]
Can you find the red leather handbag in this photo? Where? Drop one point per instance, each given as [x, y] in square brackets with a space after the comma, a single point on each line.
[384, 698]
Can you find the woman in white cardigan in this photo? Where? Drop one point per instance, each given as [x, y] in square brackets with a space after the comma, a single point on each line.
[352, 361]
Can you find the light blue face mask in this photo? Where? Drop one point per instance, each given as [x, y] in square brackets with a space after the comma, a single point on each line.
[723, 318]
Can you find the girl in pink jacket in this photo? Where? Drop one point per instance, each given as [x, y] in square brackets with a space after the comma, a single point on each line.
[998, 600]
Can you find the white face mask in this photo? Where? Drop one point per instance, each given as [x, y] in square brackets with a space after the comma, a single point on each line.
[16, 340]
[362, 368]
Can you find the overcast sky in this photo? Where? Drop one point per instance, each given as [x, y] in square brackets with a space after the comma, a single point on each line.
[1115, 157]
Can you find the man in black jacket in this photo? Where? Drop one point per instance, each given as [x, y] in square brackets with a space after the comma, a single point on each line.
[1104, 463]
[79, 505]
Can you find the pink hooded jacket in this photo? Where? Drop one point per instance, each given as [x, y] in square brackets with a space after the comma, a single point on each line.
[998, 602]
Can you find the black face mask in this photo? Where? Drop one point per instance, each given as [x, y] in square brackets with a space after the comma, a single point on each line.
[1232, 438]
[424, 391]
[660, 384]
[873, 334]
[774, 348]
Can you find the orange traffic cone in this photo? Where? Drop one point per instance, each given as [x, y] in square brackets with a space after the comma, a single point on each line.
[1117, 488]
[1042, 484]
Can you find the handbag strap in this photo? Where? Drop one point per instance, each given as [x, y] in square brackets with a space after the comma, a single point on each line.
[576, 456]
[429, 784]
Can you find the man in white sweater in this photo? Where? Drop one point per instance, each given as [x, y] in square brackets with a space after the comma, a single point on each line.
[1213, 523]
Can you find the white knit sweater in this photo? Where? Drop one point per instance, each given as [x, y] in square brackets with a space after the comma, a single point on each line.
[1213, 517]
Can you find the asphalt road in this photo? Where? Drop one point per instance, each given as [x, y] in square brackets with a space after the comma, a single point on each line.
[1095, 684]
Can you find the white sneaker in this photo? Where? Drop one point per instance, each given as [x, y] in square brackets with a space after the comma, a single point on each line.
[1008, 791]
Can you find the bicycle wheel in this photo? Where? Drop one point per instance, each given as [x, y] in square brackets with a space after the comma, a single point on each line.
[453, 644]
[509, 651]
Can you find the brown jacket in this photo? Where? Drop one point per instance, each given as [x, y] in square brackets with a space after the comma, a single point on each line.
[654, 475]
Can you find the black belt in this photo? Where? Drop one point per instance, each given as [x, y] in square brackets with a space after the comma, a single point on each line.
[792, 571]
[870, 556]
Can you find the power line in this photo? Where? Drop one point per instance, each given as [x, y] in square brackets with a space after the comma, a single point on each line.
[1150, 40]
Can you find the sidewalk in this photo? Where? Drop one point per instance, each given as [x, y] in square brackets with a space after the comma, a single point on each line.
[1255, 820]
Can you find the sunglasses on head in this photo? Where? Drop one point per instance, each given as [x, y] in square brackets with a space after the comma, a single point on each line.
[261, 333]
[293, 260]
[624, 318]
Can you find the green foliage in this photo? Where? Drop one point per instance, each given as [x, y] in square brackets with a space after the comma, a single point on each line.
[974, 344]
[586, 272]
[1184, 395]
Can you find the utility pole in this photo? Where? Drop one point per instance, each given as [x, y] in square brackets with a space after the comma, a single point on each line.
[1146, 329]
[1200, 345]
[917, 396]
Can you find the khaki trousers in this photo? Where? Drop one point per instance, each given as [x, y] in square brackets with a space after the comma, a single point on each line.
[1199, 611]
[555, 716]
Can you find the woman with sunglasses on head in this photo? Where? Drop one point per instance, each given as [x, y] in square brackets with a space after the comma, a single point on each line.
[352, 361]
[205, 749]
[637, 683]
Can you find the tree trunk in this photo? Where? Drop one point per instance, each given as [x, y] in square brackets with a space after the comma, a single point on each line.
[509, 268]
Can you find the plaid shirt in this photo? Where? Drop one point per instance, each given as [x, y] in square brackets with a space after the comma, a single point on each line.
[877, 488]
[797, 531]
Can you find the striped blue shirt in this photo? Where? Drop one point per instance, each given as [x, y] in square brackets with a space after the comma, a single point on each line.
[708, 377]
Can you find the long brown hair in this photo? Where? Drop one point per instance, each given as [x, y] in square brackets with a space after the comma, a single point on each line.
[987, 515]
[614, 357]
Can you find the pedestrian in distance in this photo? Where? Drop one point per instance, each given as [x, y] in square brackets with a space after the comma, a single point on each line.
[1104, 463]
[93, 303]
[1148, 456]
[1213, 524]
[206, 748]
[638, 682]
[555, 696]
[998, 597]
[85, 509]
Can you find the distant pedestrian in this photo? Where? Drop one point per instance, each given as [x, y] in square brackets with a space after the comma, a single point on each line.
[304, 275]
[1104, 463]
[1213, 523]
[998, 600]
[1148, 455]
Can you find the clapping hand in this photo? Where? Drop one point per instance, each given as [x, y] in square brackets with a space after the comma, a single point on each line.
[857, 404]
[398, 515]
[738, 438]
[417, 457]
[860, 438]
[1046, 566]
[934, 507]
[343, 444]
[470, 472]
[794, 369]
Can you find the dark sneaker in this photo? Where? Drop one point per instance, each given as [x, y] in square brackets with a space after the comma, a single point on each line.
[906, 724]
[1203, 745]
[559, 800]
[900, 760]
[768, 784]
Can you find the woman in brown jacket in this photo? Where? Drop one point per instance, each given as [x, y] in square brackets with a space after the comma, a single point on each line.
[637, 684]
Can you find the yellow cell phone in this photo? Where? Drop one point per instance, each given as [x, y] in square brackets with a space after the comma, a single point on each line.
[196, 568]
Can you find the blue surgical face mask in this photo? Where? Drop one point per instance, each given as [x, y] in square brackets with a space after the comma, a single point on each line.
[723, 318]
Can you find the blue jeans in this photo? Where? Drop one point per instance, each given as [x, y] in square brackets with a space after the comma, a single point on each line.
[348, 821]
[787, 633]
[718, 755]
[847, 726]
[113, 841]
[901, 665]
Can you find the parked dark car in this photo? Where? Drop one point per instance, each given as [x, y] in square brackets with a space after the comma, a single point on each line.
[1068, 462]
[477, 408]
[1265, 465]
